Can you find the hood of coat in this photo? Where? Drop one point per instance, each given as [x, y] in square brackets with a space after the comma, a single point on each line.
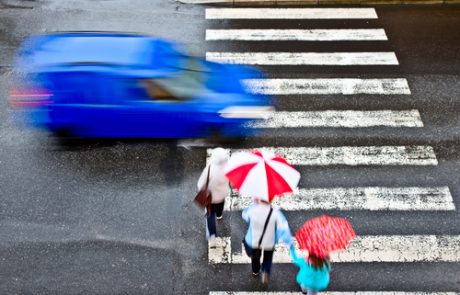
[219, 156]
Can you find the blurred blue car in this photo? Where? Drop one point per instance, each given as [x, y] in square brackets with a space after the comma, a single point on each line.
[113, 85]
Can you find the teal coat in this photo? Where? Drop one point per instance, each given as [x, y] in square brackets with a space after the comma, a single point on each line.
[308, 276]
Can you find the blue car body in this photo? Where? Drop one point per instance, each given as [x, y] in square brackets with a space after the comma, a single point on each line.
[124, 85]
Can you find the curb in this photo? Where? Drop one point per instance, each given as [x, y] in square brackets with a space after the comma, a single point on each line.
[320, 2]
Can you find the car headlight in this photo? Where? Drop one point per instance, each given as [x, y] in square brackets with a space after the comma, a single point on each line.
[247, 112]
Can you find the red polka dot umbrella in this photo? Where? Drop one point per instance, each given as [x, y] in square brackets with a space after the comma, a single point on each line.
[261, 174]
[325, 234]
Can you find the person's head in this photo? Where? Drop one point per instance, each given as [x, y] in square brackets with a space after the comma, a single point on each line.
[316, 261]
[260, 201]
[219, 156]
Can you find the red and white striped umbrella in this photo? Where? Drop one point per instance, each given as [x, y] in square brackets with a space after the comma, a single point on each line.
[260, 174]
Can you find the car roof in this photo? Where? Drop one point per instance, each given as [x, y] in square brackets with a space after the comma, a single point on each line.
[91, 48]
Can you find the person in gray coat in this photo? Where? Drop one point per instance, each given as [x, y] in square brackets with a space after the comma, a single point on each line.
[219, 187]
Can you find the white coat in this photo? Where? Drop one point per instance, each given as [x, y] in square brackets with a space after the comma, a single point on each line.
[218, 183]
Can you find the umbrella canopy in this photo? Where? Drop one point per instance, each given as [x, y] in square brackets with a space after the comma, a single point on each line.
[322, 235]
[261, 174]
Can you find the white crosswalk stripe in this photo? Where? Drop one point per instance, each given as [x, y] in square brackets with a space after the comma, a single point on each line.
[379, 248]
[351, 155]
[290, 13]
[345, 86]
[359, 198]
[304, 58]
[297, 35]
[345, 119]
[332, 293]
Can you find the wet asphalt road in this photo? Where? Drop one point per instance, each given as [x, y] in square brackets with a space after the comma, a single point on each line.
[116, 218]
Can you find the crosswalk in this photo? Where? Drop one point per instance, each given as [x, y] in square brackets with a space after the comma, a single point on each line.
[289, 13]
[304, 58]
[345, 119]
[404, 248]
[337, 293]
[394, 248]
[356, 155]
[297, 35]
[359, 198]
[345, 86]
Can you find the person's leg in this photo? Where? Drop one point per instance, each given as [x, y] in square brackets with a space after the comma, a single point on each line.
[219, 210]
[266, 266]
[211, 223]
[267, 263]
[304, 289]
[255, 261]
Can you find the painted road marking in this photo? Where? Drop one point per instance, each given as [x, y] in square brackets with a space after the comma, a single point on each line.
[291, 13]
[346, 86]
[396, 248]
[297, 35]
[332, 293]
[304, 58]
[343, 119]
[359, 198]
[354, 155]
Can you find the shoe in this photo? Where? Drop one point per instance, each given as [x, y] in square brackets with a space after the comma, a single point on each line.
[264, 278]
[212, 238]
[255, 274]
[219, 217]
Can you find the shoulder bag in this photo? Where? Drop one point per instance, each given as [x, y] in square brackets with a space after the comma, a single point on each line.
[204, 198]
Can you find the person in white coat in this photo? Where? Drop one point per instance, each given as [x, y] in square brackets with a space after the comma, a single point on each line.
[218, 185]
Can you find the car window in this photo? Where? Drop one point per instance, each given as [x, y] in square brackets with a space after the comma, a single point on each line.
[181, 86]
[155, 91]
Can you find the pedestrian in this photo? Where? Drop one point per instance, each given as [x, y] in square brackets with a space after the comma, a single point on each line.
[219, 187]
[313, 275]
[267, 227]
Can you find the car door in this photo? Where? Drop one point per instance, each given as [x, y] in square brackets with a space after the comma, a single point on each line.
[155, 112]
[89, 105]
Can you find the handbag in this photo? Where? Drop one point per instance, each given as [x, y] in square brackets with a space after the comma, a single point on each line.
[248, 249]
[204, 198]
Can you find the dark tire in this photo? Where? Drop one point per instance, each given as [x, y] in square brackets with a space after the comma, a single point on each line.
[65, 138]
[218, 138]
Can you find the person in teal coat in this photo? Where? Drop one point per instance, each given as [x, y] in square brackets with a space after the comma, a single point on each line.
[314, 271]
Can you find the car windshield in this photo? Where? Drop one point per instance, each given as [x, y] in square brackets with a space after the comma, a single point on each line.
[187, 83]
